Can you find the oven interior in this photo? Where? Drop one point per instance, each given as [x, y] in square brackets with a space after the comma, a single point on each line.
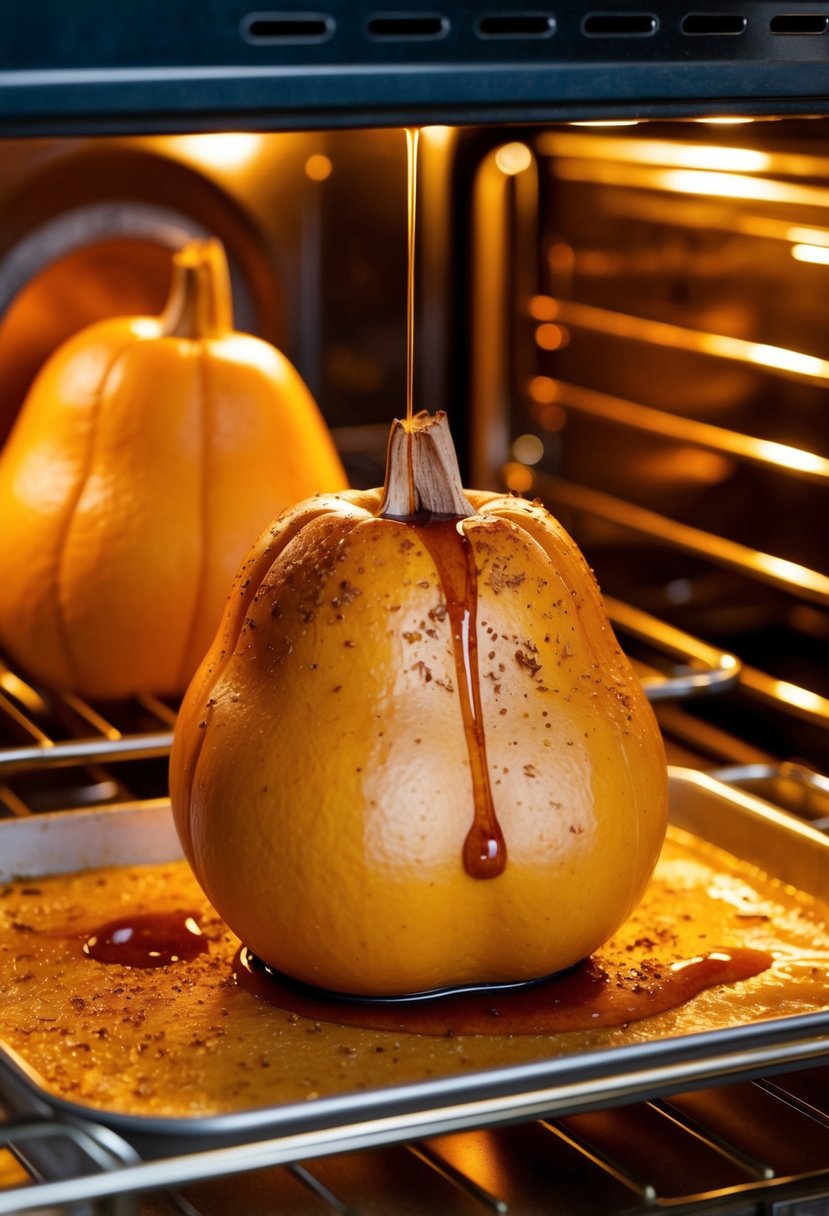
[623, 318]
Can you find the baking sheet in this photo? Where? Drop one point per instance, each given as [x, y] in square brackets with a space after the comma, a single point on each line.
[739, 823]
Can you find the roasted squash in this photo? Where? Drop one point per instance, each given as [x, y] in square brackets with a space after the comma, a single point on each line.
[148, 456]
[415, 755]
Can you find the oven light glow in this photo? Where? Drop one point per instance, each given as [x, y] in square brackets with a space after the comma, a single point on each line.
[725, 185]
[543, 308]
[818, 255]
[808, 236]
[528, 449]
[783, 571]
[318, 167]
[607, 122]
[711, 158]
[543, 389]
[725, 120]
[513, 158]
[661, 152]
[229, 150]
[786, 360]
[551, 337]
[439, 136]
[518, 477]
[790, 458]
[799, 698]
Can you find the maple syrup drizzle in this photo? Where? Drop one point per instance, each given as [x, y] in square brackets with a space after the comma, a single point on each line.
[484, 850]
[587, 997]
[151, 939]
[412, 140]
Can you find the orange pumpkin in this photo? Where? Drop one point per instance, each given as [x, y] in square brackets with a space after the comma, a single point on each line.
[148, 455]
[415, 755]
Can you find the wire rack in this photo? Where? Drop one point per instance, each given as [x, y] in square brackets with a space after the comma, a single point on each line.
[756, 1147]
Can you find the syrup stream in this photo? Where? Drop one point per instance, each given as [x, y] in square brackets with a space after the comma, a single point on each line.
[484, 850]
[412, 140]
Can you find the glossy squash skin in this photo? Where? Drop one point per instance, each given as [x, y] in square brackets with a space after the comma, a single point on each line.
[321, 776]
[149, 454]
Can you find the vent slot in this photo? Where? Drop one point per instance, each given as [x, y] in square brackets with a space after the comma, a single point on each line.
[713, 23]
[799, 23]
[407, 27]
[620, 25]
[271, 28]
[516, 25]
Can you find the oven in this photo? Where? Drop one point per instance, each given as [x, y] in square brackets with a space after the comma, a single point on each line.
[622, 253]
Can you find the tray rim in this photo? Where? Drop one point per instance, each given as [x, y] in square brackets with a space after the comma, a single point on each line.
[582, 1080]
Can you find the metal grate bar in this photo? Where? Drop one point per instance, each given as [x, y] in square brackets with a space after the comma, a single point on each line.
[21, 724]
[773, 360]
[645, 1190]
[451, 1173]
[85, 751]
[787, 576]
[87, 714]
[713, 1140]
[319, 1189]
[764, 452]
[716, 669]
[13, 803]
[801, 702]
[798, 1104]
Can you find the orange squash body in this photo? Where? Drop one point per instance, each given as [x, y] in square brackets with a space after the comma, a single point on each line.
[320, 774]
[139, 472]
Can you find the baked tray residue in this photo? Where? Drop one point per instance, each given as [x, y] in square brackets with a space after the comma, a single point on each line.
[186, 1041]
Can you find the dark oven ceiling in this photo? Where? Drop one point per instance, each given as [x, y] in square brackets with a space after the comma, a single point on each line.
[167, 65]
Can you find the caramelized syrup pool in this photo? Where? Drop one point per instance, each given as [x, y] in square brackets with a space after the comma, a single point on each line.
[152, 939]
[590, 996]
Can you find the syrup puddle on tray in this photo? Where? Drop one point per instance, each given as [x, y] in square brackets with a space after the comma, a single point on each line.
[149, 939]
[592, 994]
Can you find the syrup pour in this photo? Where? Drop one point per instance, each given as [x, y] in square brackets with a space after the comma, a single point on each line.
[484, 850]
[412, 139]
[151, 939]
[592, 995]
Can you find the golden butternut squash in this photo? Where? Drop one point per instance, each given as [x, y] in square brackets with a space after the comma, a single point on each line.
[149, 454]
[415, 755]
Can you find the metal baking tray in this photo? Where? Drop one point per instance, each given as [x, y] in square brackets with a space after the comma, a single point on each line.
[179, 1150]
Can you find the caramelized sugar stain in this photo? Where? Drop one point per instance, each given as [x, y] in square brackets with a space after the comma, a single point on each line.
[592, 995]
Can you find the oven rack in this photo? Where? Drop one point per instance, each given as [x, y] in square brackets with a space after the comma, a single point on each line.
[745, 1147]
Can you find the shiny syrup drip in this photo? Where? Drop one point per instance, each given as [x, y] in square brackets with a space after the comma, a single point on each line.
[484, 850]
[589, 996]
[151, 939]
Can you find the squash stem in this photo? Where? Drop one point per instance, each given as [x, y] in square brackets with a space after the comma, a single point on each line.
[200, 304]
[422, 474]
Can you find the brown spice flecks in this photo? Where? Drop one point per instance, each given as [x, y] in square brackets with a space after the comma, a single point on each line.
[499, 578]
[346, 594]
[527, 662]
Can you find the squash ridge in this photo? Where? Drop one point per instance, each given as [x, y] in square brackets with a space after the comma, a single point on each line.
[204, 383]
[64, 633]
